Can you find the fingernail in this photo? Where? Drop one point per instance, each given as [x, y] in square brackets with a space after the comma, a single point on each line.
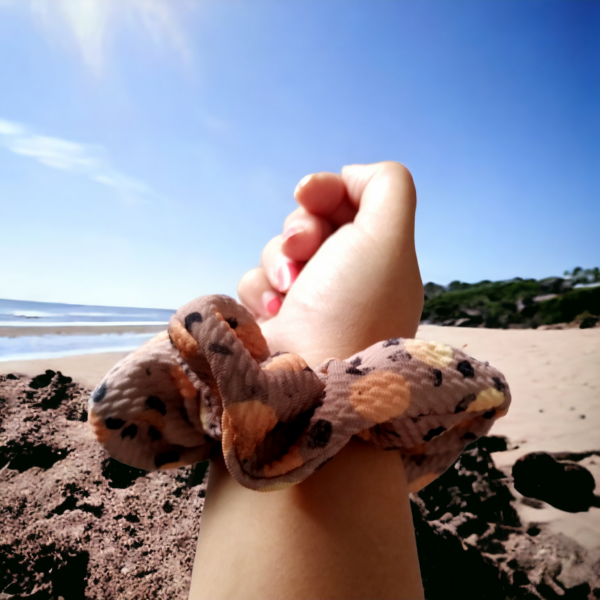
[286, 275]
[302, 183]
[290, 232]
[272, 302]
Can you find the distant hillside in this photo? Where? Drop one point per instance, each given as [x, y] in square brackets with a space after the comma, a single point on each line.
[516, 303]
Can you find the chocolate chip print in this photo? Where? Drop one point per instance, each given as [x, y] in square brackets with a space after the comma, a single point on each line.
[276, 421]
[112, 423]
[192, 318]
[155, 403]
[466, 368]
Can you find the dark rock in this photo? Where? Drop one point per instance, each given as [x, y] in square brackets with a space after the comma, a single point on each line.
[493, 443]
[76, 525]
[564, 485]
[588, 322]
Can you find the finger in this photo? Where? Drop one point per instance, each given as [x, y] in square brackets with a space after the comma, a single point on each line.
[280, 270]
[303, 234]
[258, 296]
[386, 198]
[324, 195]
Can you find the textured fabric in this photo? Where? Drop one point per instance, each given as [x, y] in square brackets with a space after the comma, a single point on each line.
[210, 384]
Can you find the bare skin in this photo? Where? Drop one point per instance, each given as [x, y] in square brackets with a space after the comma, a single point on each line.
[342, 276]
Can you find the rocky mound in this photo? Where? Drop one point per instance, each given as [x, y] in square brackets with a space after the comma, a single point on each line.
[472, 543]
[75, 524]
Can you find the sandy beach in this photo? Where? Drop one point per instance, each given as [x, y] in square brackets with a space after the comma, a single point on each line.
[555, 385]
[554, 377]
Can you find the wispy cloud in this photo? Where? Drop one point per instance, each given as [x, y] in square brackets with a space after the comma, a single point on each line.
[88, 160]
[91, 23]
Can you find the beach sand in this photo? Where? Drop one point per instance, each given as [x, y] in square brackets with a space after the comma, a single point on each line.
[554, 377]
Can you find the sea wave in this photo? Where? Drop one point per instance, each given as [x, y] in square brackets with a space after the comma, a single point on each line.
[98, 324]
[29, 347]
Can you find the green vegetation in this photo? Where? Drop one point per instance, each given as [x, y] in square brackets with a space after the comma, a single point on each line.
[517, 302]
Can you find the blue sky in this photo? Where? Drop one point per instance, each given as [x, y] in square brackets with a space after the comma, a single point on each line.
[149, 149]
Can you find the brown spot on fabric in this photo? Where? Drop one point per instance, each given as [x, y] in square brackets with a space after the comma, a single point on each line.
[437, 374]
[391, 342]
[249, 422]
[113, 423]
[192, 318]
[219, 349]
[420, 482]
[286, 362]
[182, 382]
[399, 355]
[433, 433]
[380, 396]
[130, 431]
[465, 368]
[320, 434]
[354, 371]
[498, 384]
[292, 460]
[155, 403]
[154, 434]
[251, 336]
[469, 436]
[188, 347]
[99, 428]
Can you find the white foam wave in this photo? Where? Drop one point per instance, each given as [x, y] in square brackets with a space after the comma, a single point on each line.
[80, 323]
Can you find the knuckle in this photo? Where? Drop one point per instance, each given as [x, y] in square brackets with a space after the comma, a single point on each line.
[397, 170]
[397, 173]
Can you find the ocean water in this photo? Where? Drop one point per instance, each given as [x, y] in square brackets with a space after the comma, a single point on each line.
[39, 344]
[17, 313]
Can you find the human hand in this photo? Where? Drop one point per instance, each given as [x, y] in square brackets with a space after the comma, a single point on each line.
[344, 274]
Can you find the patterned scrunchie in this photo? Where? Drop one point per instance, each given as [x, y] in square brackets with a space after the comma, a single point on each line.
[211, 383]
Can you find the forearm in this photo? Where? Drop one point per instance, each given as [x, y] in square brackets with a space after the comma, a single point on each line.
[345, 532]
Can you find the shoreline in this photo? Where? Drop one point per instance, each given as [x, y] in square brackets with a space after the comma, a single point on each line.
[39, 330]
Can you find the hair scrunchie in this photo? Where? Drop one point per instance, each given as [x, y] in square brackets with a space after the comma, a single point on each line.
[210, 382]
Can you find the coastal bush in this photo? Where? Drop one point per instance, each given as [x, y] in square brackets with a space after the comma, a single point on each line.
[513, 302]
[565, 308]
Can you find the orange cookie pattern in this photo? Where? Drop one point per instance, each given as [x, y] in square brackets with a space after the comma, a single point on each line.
[210, 385]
